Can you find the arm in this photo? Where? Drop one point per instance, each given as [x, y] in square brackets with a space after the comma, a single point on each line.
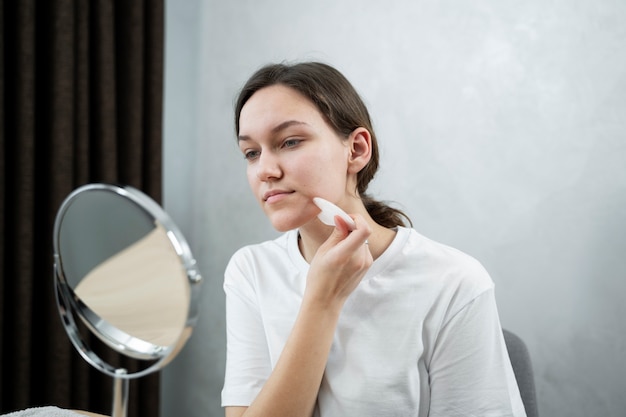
[470, 371]
[337, 268]
[293, 385]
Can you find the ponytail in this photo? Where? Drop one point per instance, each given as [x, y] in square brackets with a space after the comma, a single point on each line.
[384, 214]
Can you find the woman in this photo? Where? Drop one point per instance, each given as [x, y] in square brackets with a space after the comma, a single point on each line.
[329, 321]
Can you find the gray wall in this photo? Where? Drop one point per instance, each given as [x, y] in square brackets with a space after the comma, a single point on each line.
[503, 133]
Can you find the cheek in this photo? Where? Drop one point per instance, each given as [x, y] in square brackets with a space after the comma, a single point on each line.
[253, 180]
[307, 167]
[319, 173]
[333, 163]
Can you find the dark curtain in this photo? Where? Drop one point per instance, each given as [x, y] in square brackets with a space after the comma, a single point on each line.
[80, 102]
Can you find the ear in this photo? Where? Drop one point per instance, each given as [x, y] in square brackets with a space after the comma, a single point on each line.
[360, 142]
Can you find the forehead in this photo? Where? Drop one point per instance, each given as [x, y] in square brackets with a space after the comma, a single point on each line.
[273, 105]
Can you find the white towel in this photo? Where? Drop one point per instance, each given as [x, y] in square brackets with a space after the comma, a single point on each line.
[43, 412]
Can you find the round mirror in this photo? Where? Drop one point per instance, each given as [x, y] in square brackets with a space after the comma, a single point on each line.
[124, 273]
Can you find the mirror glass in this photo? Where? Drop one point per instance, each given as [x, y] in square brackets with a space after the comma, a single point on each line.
[125, 273]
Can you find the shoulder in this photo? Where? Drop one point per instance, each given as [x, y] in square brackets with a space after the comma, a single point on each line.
[444, 259]
[449, 280]
[454, 272]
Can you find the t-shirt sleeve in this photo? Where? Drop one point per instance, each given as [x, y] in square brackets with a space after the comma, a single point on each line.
[247, 358]
[470, 370]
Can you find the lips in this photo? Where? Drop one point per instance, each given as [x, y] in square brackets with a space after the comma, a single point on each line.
[274, 195]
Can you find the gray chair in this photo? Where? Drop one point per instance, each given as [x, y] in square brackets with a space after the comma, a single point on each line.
[522, 367]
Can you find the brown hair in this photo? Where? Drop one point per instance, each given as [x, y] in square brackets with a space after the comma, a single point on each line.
[340, 105]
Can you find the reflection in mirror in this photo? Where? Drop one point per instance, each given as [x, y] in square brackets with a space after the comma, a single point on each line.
[140, 290]
[123, 272]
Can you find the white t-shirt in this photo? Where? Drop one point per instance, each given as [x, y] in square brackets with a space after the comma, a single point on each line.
[420, 335]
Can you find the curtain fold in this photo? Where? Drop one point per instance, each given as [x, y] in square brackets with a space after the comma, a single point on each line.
[80, 102]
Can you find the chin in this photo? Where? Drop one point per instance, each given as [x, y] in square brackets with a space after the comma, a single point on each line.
[284, 224]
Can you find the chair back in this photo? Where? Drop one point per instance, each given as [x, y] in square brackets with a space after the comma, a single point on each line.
[522, 367]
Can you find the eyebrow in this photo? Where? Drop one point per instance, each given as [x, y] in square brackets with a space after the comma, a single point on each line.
[279, 127]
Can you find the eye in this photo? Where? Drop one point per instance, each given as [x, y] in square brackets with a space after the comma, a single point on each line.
[251, 155]
[291, 142]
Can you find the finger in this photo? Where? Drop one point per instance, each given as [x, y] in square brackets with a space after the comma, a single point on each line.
[342, 225]
[359, 235]
[339, 233]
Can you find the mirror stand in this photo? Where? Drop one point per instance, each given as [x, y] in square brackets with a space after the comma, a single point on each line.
[124, 273]
[120, 393]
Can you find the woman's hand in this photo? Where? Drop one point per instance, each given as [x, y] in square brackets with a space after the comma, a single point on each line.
[336, 269]
[340, 263]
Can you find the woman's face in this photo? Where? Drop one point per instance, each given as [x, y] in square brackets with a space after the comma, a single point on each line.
[292, 156]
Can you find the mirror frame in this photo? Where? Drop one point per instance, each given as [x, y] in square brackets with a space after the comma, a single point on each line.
[71, 307]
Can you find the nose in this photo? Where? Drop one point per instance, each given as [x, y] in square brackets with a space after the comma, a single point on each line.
[268, 167]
